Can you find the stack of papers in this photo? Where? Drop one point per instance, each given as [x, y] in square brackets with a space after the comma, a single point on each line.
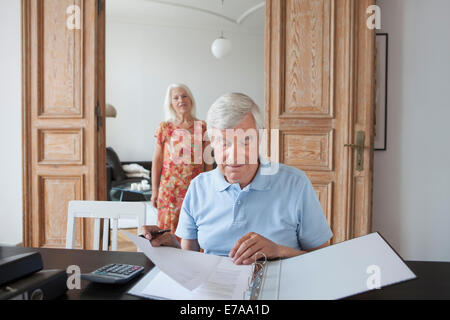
[185, 275]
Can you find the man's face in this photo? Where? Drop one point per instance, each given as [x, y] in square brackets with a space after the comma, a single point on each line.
[236, 151]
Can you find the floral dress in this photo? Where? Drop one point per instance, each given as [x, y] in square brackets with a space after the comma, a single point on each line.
[182, 162]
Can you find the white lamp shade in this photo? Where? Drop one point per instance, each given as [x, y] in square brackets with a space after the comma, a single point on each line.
[221, 47]
[111, 111]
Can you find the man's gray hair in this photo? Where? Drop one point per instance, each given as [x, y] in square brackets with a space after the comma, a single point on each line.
[230, 109]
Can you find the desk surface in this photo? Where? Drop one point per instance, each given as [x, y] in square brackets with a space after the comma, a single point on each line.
[433, 277]
[89, 261]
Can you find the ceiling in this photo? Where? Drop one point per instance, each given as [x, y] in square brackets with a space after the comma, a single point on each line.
[190, 13]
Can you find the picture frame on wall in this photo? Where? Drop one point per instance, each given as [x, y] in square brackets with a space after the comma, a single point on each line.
[381, 114]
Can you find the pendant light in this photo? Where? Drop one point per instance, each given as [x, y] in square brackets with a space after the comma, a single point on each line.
[222, 46]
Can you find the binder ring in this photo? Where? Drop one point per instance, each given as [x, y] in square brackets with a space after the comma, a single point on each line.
[255, 280]
[256, 273]
[256, 257]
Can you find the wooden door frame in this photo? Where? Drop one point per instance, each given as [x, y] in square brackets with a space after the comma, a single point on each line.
[358, 58]
[27, 142]
[26, 131]
[364, 101]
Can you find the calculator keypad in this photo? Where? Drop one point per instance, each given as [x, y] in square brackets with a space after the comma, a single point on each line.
[113, 274]
[121, 270]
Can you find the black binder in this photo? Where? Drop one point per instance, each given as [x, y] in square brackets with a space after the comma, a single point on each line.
[14, 266]
[43, 285]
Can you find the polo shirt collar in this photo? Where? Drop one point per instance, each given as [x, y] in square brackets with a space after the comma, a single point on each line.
[219, 181]
[260, 182]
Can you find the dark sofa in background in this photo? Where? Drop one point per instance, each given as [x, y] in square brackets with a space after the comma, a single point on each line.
[116, 176]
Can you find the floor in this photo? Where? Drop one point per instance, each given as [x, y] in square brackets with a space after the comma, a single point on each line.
[123, 244]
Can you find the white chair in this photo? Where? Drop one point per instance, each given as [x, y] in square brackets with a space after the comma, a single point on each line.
[150, 220]
[152, 214]
[106, 210]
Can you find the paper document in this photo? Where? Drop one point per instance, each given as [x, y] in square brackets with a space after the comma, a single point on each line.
[227, 282]
[335, 272]
[190, 269]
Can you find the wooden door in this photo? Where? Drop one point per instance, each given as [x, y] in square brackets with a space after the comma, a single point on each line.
[63, 103]
[320, 62]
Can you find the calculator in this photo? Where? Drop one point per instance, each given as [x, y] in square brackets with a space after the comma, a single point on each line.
[113, 273]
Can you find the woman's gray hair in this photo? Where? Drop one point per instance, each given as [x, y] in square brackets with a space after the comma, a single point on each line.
[170, 114]
[230, 109]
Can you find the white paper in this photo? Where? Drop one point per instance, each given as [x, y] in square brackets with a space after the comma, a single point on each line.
[227, 282]
[189, 268]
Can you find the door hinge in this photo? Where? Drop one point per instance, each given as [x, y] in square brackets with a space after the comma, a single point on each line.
[99, 6]
[99, 116]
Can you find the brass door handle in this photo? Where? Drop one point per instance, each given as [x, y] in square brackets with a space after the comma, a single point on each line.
[359, 146]
[355, 146]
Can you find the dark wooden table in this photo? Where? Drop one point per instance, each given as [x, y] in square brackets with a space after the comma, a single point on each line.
[432, 283]
[89, 261]
[433, 277]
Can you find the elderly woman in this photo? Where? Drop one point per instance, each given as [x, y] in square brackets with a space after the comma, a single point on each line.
[171, 172]
[239, 209]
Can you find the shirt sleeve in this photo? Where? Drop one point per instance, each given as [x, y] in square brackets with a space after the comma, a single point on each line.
[159, 135]
[187, 228]
[313, 229]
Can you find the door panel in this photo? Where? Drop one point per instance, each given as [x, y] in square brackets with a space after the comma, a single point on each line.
[58, 191]
[58, 146]
[308, 54]
[319, 93]
[63, 157]
[59, 68]
[311, 148]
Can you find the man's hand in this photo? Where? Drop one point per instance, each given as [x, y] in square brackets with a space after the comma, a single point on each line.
[252, 244]
[166, 239]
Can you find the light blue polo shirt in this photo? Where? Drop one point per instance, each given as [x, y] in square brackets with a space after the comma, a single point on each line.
[282, 207]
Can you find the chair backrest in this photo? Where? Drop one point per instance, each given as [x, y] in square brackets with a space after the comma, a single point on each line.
[107, 210]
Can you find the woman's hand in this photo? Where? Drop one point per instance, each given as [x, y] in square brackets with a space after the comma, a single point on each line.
[154, 199]
[164, 240]
[254, 245]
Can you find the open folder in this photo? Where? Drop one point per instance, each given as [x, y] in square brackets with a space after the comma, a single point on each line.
[334, 272]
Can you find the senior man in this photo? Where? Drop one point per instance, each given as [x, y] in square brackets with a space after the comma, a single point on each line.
[239, 210]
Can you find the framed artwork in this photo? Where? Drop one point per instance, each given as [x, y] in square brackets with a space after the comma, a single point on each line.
[382, 48]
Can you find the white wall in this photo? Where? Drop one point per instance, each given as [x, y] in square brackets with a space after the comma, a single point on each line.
[412, 179]
[142, 60]
[10, 124]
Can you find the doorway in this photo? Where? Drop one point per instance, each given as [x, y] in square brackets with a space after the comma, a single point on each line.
[318, 87]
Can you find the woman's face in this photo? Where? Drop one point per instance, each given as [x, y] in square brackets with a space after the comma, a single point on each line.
[181, 102]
